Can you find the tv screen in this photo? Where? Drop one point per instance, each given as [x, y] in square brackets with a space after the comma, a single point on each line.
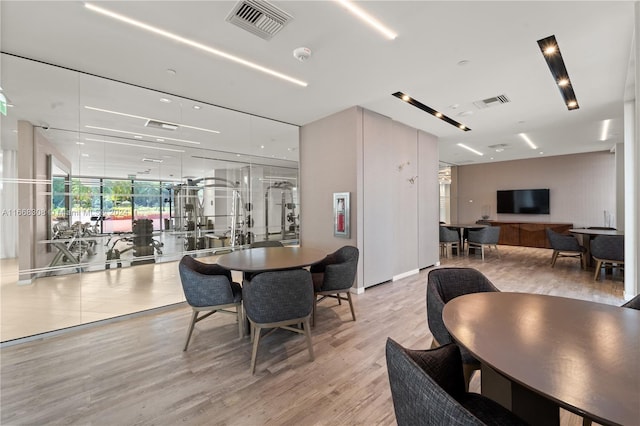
[523, 201]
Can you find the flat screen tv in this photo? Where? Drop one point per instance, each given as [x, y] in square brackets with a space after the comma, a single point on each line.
[523, 201]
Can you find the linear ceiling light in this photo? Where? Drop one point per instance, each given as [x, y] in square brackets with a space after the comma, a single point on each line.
[461, 145]
[373, 22]
[140, 134]
[408, 99]
[192, 43]
[605, 130]
[134, 145]
[528, 141]
[147, 118]
[551, 52]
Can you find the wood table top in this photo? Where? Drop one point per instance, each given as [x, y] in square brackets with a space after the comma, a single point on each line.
[585, 356]
[270, 258]
[464, 225]
[596, 231]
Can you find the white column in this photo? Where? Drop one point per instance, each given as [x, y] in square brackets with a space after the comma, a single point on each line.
[632, 174]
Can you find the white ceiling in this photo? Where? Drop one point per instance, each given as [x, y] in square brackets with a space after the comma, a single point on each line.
[351, 64]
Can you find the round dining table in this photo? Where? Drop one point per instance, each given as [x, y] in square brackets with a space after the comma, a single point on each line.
[270, 258]
[541, 352]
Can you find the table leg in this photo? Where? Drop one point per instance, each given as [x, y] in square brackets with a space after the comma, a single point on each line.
[526, 404]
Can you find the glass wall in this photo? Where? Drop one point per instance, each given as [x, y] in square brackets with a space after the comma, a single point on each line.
[110, 184]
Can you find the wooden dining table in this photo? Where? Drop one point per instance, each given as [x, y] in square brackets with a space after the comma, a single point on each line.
[270, 258]
[587, 235]
[541, 352]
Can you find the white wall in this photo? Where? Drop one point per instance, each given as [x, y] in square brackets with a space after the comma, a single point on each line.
[394, 222]
[582, 187]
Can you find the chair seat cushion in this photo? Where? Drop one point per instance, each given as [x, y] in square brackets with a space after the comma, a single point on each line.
[489, 411]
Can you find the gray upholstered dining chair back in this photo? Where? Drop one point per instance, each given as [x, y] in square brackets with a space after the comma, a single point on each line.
[607, 250]
[443, 285]
[278, 296]
[564, 246]
[427, 388]
[266, 243]
[485, 237]
[633, 303]
[449, 238]
[209, 287]
[335, 275]
[279, 299]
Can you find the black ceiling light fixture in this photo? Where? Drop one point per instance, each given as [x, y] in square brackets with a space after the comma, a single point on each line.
[408, 99]
[551, 52]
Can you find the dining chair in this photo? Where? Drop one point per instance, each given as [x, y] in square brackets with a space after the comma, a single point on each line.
[633, 303]
[334, 276]
[427, 388]
[279, 299]
[485, 237]
[443, 285]
[565, 246]
[449, 239]
[607, 251]
[209, 288]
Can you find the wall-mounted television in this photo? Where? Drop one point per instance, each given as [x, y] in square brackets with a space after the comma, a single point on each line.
[523, 201]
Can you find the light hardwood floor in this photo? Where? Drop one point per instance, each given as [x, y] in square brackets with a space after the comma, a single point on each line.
[134, 371]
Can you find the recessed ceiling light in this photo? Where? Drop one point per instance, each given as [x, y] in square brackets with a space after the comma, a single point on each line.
[152, 160]
[261, 146]
[528, 141]
[157, 148]
[197, 107]
[165, 100]
[85, 155]
[79, 143]
[373, 22]
[463, 62]
[124, 114]
[461, 145]
[160, 140]
[605, 130]
[465, 113]
[553, 57]
[171, 72]
[408, 99]
[139, 134]
[191, 43]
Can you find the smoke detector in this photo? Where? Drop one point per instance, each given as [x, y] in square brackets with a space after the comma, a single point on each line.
[302, 53]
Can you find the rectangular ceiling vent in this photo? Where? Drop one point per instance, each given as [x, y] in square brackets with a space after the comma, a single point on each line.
[493, 101]
[155, 124]
[259, 17]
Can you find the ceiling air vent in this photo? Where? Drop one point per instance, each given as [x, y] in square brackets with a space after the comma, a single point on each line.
[259, 17]
[161, 125]
[493, 101]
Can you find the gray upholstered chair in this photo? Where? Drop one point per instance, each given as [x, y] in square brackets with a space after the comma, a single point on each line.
[334, 275]
[279, 299]
[565, 246]
[485, 237]
[633, 303]
[449, 239]
[209, 288]
[267, 243]
[427, 388]
[444, 284]
[607, 250]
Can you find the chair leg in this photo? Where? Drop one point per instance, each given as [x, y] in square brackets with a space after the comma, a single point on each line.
[598, 266]
[240, 320]
[194, 318]
[313, 313]
[497, 251]
[482, 252]
[254, 351]
[353, 312]
[554, 258]
[467, 371]
[307, 333]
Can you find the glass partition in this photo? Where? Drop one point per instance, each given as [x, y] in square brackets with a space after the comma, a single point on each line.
[121, 182]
